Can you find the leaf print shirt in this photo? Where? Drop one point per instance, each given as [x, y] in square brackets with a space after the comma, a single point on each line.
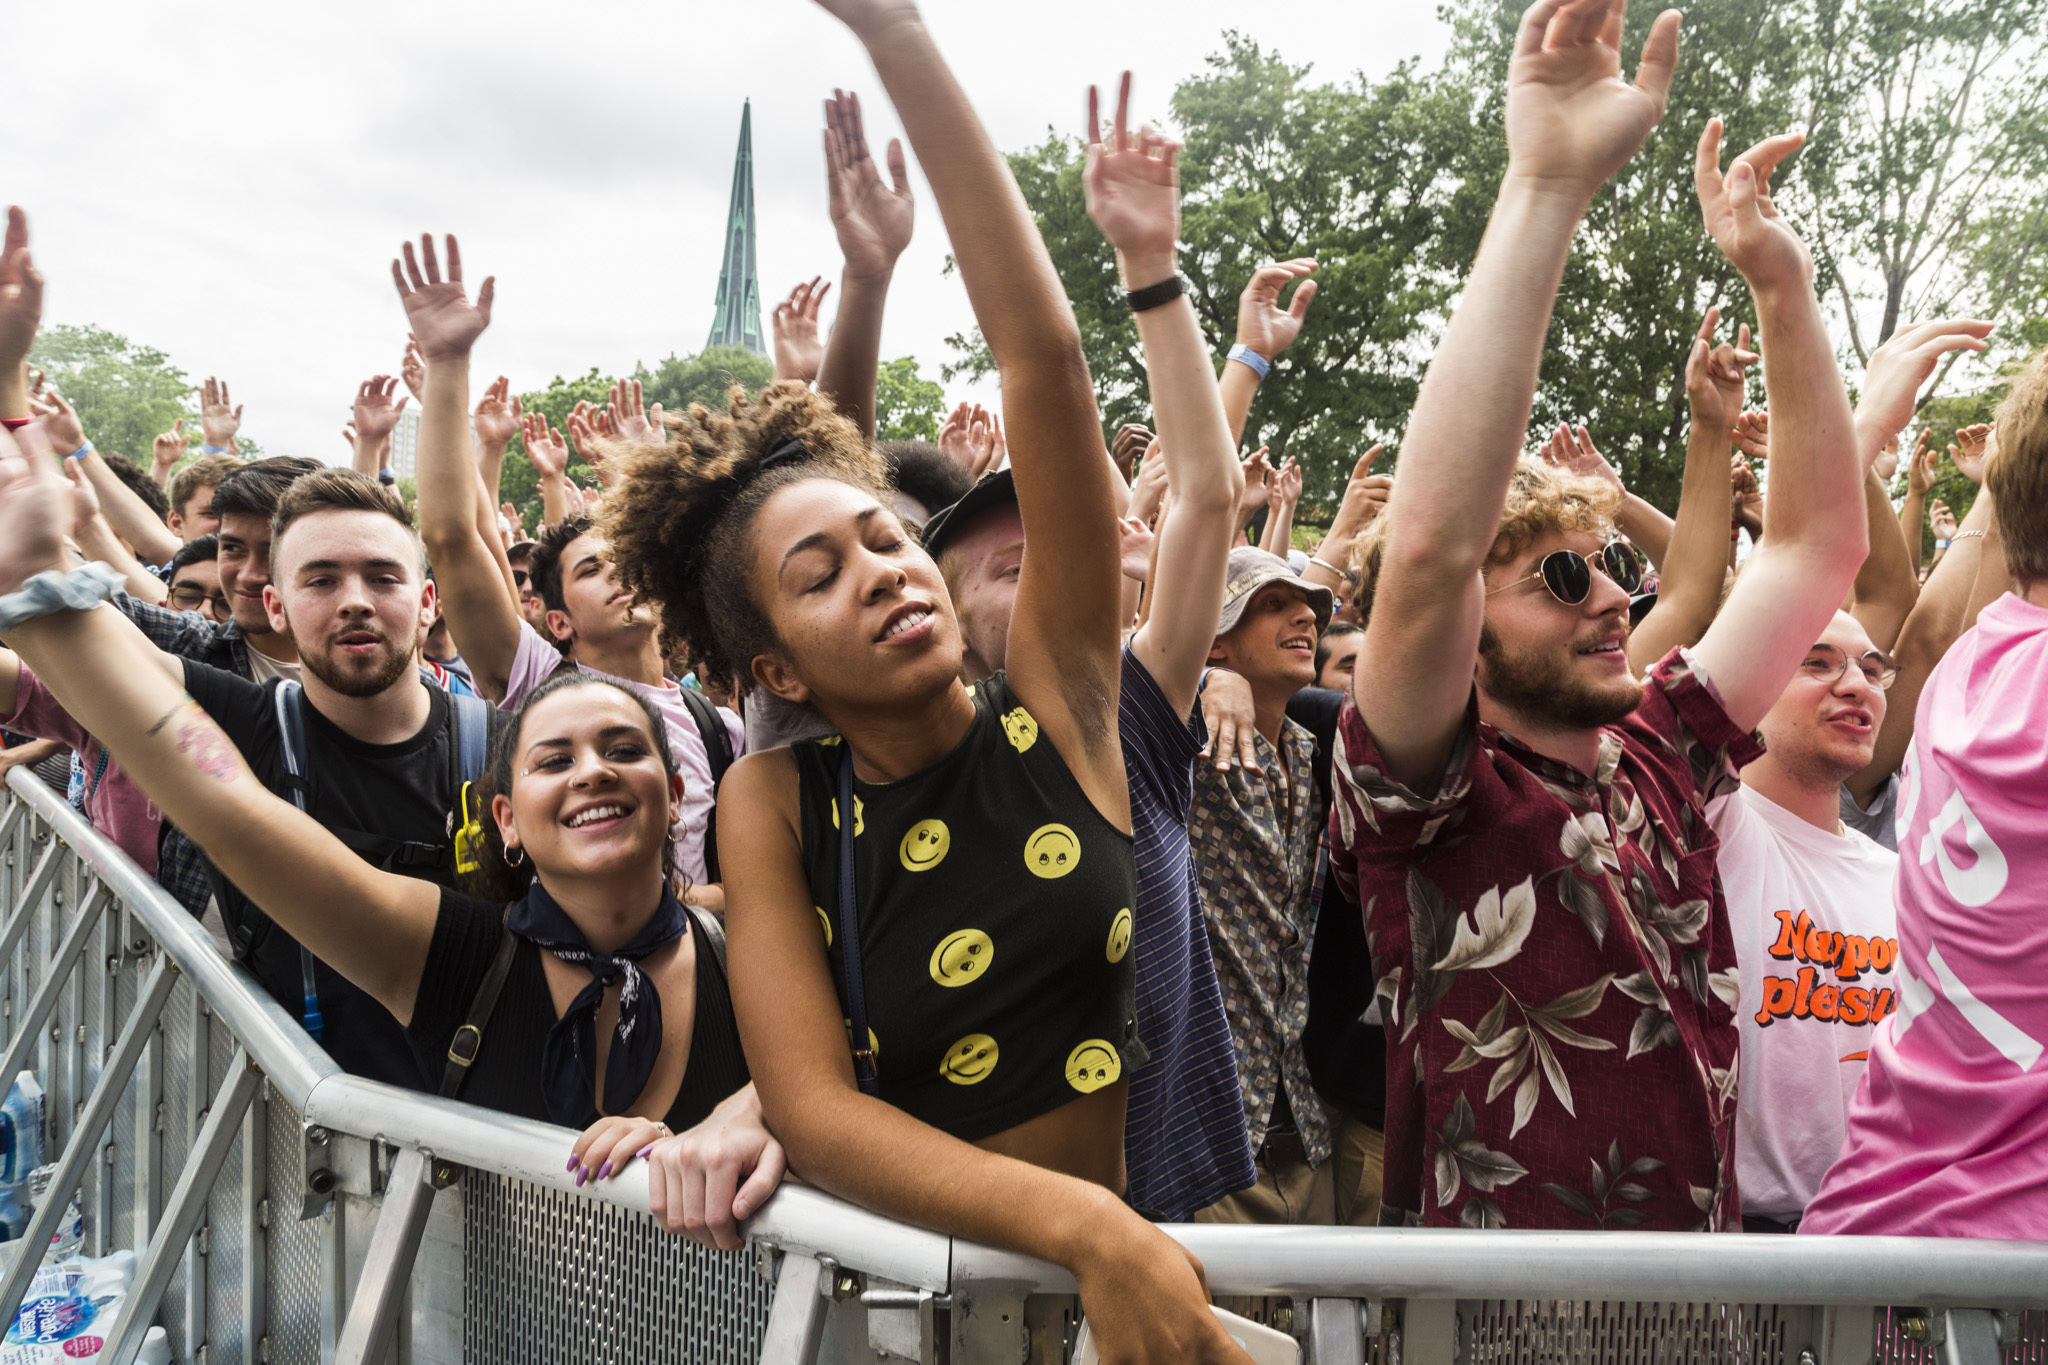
[1556, 970]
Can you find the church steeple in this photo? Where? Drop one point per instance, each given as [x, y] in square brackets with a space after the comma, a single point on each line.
[738, 319]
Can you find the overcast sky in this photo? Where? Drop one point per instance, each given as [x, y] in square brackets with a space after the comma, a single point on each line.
[228, 181]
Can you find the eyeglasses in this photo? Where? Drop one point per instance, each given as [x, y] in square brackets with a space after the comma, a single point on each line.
[1569, 575]
[1826, 663]
[192, 599]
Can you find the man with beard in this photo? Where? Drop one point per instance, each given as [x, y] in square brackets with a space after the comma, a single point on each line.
[384, 750]
[1523, 820]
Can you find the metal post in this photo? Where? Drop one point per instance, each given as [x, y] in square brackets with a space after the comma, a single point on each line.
[182, 1214]
[85, 1138]
[256, 1226]
[796, 1322]
[30, 1026]
[1972, 1337]
[1848, 1336]
[31, 896]
[1429, 1331]
[387, 1267]
[1336, 1332]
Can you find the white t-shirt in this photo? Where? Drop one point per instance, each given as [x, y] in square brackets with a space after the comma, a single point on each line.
[535, 659]
[1816, 939]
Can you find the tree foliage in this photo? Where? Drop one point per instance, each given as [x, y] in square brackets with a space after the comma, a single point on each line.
[908, 407]
[706, 377]
[125, 392]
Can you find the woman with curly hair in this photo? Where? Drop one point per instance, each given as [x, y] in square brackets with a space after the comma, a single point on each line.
[952, 1046]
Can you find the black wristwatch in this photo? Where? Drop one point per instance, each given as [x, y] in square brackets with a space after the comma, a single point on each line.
[1153, 295]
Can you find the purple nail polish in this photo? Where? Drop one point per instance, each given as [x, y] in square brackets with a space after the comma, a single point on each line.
[604, 1170]
[643, 1151]
[572, 1162]
[581, 1176]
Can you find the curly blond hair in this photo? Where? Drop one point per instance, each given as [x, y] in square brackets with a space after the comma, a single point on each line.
[1541, 499]
[2017, 476]
[679, 520]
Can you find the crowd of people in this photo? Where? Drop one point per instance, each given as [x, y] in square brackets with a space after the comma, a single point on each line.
[993, 835]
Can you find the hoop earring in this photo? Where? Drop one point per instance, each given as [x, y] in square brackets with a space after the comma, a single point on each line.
[510, 861]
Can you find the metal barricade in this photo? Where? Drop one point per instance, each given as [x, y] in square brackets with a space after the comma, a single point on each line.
[285, 1212]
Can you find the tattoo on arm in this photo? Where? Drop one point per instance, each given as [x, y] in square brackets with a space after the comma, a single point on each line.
[201, 740]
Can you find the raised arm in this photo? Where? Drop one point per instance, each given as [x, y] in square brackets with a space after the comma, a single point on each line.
[1064, 634]
[1886, 585]
[21, 313]
[376, 417]
[799, 354]
[481, 614]
[97, 541]
[1820, 453]
[126, 514]
[1921, 472]
[371, 926]
[1572, 122]
[1365, 497]
[1134, 196]
[873, 219]
[1264, 330]
[1694, 570]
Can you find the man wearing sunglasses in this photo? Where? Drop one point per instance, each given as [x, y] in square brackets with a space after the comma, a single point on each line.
[1523, 819]
[1810, 907]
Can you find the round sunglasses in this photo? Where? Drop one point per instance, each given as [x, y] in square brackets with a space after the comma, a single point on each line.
[1569, 575]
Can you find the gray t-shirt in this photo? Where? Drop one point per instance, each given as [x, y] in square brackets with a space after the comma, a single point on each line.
[1875, 823]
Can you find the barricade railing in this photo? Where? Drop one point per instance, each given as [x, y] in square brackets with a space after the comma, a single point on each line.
[284, 1211]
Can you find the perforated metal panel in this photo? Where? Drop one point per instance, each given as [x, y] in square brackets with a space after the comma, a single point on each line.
[551, 1277]
[294, 1326]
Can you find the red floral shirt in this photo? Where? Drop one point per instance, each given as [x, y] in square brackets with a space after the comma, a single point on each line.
[1555, 966]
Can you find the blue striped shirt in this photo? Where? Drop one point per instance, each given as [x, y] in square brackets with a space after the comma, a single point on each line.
[1185, 1144]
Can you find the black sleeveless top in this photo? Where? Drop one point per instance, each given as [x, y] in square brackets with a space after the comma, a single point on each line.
[995, 924]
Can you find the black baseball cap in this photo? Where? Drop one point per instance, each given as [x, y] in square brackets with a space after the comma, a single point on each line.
[997, 489]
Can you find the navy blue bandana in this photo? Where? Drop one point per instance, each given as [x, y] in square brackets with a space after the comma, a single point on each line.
[568, 1064]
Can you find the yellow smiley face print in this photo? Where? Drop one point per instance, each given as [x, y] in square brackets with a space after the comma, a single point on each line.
[1021, 728]
[1093, 1065]
[961, 957]
[924, 847]
[1052, 851]
[1119, 936]
[969, 1061]
[860, 817]
[826, 921]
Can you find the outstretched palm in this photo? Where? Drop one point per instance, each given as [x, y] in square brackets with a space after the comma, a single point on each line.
[873, 219]
[1571, 118]
[1132, 187]
[439, 312]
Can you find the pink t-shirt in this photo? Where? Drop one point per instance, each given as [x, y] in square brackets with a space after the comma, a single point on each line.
[536, 659]
[1948, 1133]
[116, 807]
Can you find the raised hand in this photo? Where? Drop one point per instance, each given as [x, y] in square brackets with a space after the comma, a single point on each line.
[36, 507]
[66, 432]
[1572, 121]
[1575, 451]
[1747, 494]
[953, 436]
[1925, 466]
[799, 350]
[544, 447]
[21, 293]
[498, 414]
[444, 322]
[1715, 382]
[1942, 520]
[375, 414]
[1973, 445]
[873, 219]
[1135, 538]
[1899, 368]
[1262, 324]
[985, 443]
[413, 369]
[1133, 190]
[169, 446]
[629, 416]
[1130, 445]
[1258, 486]
[1740, 216]
[590, 430]
[85, 502]
[219, 419]
[1285, 490]
[1148, 490]
[1753, 435]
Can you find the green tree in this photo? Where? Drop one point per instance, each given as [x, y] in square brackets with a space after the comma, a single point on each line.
[706, 377]
[518, 484]
[907, 406]
[125, 392]
[1277, 166]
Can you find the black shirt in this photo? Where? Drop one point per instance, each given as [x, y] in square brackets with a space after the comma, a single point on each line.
[375, 798]
[506, 1076]
[1347, 1057]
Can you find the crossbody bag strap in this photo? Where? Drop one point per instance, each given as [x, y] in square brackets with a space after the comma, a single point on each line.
[469, 1039]
[849, 935]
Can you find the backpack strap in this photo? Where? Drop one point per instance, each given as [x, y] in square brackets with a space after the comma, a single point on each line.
[471, 717]
[849, 935]
[469, 1039]
[718, 750]
[289, 700]
[711, 926]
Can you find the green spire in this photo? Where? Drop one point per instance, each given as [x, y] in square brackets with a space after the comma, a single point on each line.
[738, 319]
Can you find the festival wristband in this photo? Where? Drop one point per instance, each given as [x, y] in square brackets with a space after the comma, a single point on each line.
[49, 592]
[15, 423]
[1251, 360]
[81, 452]
[387, 475]
[1154, 295]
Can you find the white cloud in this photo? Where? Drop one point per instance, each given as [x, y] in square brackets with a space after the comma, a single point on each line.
[228, 181]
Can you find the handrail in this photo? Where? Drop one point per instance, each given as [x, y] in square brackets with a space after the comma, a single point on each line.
[277, 1045]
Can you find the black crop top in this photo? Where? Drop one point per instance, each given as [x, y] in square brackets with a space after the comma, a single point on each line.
[995, 924]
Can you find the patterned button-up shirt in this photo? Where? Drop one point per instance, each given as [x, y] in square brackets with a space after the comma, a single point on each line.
[1255, 835]
[1559, 980]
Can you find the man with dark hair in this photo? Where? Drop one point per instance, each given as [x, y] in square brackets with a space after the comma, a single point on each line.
[1336, 653]
[195, 578]
[925, 479]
